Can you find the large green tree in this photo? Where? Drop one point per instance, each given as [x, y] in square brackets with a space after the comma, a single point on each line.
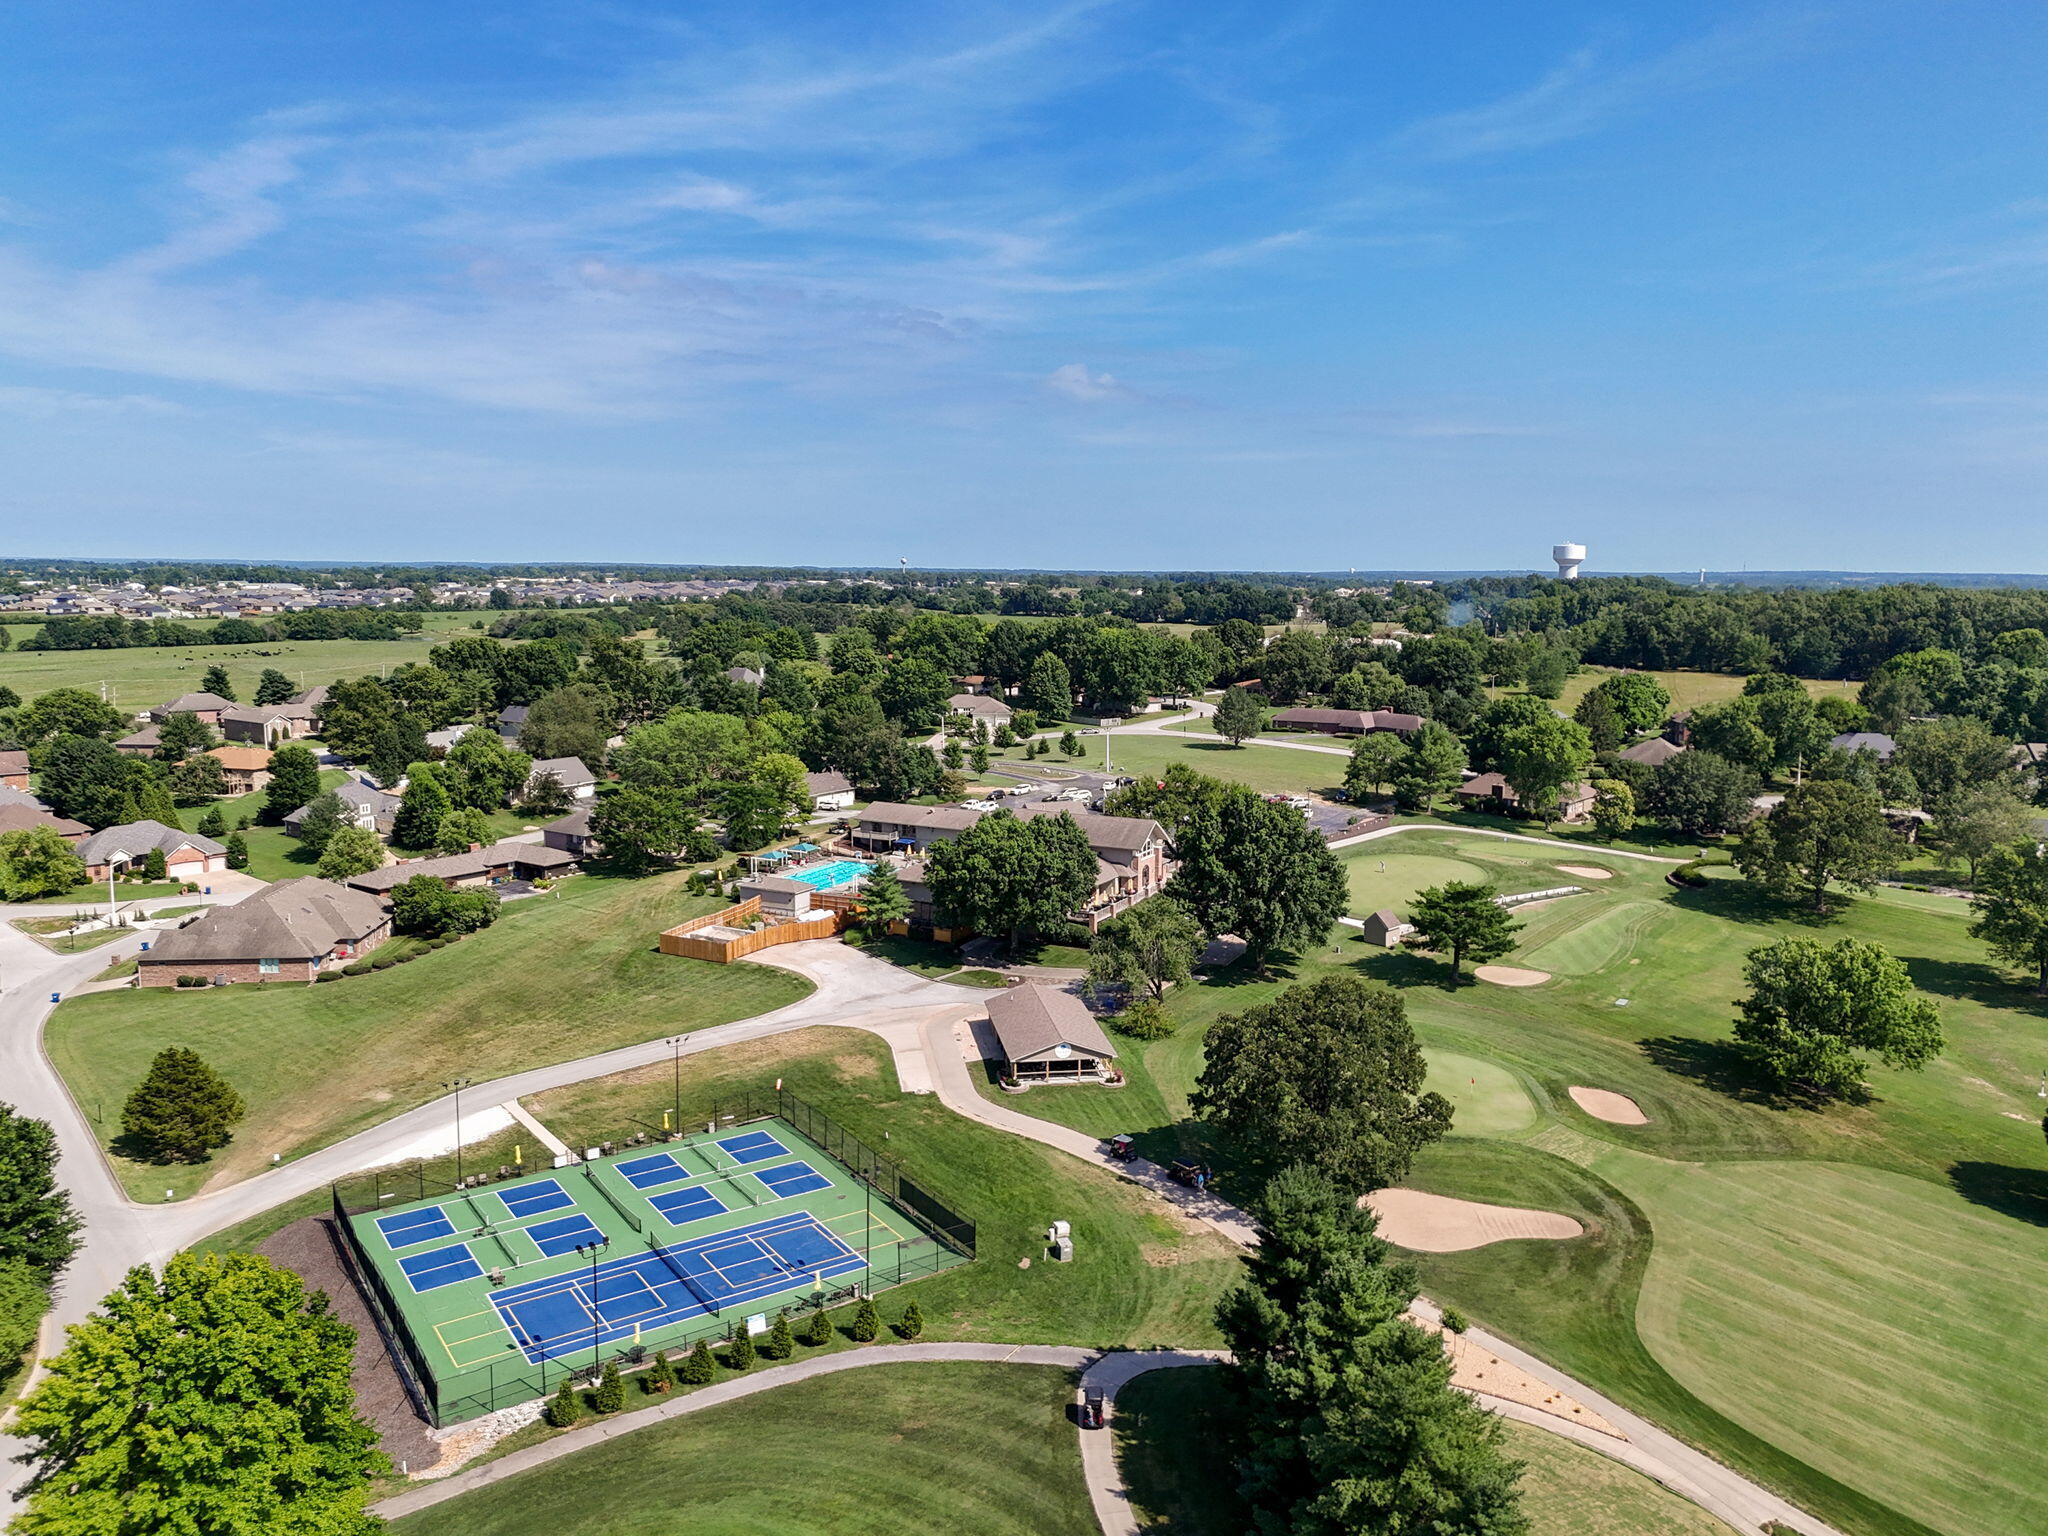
[642, 827]
[1434, 764]
[37, 1224]
[575, 720]
[483, 772]
[1700, 793]
[1814, 1009]
[1148, 948]
[214, 1397]
[1540, 758]
[1011, 877]
[1240, 714]
[1638, 700]
[913, 693]
[181, 1110]
[181, 735]
[36, 862]
[1376, 758]
[350, 850]
[1352, 1426]
[1257, 870]
[1827, 831]
[294, 780]
[1974, 820]
[217, 683]
[325, 815]
[426, 801]
[2011, 908]
[1463, 920]
[273, 687]
[1049, 688]
[883, 901]
[691, 750]
[1328, 1075]
[66, 712]
[1949, 755]
[84, 778]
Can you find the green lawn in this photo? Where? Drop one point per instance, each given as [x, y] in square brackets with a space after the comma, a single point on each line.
[557, 977]
[1168, 1424]
[1269, 770]
[274, 854]
[894, 1450]
[1890, 1254]
[1688, 690]
[46, 931]
[95, 896]
[144, 675]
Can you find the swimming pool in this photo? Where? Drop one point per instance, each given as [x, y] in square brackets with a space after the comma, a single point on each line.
[826, 877]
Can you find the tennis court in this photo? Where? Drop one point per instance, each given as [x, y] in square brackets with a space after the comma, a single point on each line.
[656, 1246]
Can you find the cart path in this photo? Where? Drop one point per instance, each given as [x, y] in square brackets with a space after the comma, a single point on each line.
[920, 1020]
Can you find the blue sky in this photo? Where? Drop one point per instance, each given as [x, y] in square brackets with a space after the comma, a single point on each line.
[1111, 284]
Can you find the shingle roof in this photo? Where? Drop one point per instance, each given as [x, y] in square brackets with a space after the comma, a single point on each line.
[1032, 1019]
[575, 824]
[463, 866]
[512, 714]
[291, 920]
[946, 818]
[1124, 834]
[192, 704]
[148, 736]
[361, 796]
[22, 818]
[261, 714]
[1657, 750]
[978, 704]
[137, 838]
[828, 784]
[778, 884]
[1865, 741]
[13, 761]
[569, 772]
[1350, 719]
[11, 796]
[244, 758]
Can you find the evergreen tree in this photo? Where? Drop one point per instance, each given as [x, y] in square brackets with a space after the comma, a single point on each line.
[237, 851]
[182, 735]
[37, 1225]
[659, 1377]
[418, 823]
[1353, 1427]
[154, 865]
[216, 682]
[213, 823]
[911, 1325]
[213, 1397]
[817, 1329]
[781, 1339]
[610, 1393]
[325, 815]
[740, 1354]
[867, 1322]
[273, 687]
[198, 779]
[699, 1366]
[153, 795]
[1463, 920]
[399, 743]
[294, 781]
[883, 900]
[565, 1407]
[181, 1110]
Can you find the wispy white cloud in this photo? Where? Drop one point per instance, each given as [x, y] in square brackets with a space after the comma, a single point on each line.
[33, 401]
[1076, 381]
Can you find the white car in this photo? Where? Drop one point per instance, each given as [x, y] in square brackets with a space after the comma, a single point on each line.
[1075, 794]
[979, 805]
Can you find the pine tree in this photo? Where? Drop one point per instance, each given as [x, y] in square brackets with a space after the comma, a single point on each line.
[659, 1377]
[153, 799]
[238, 851]
[882, 898]
[213, 823]
[37, 1225]
[699, 1366]
[273, 687]
[817, 1329]
[181, 1110]
[741, 1354]
[154, 865]
[565, 1407]
[912, 1323]
[216, 682]
[610, 1395]
[781, 1339]
[867, 1322]
[294, 781]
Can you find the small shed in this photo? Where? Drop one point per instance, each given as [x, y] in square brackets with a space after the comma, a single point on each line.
[1386, 929]
[780, 896]
[1048, 1036]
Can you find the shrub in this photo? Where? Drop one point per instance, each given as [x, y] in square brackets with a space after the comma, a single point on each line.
[405, 955]
[191, 981]
[437, 943]
[817, 1329]
[911, 1324]
[610, 1395]
[699, 1366]
[781, 1339]
[1454, 1320]
[1146, 1019]
[658, 1377]
[867, 1322]
[327, 976]
[383, 962]
[355, 968]
[740, 1355]
[565, 1407]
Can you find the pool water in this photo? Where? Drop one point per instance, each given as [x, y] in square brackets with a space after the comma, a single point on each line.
[826, 877]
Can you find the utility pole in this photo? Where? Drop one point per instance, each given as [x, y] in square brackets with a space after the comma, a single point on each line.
[458, 1084]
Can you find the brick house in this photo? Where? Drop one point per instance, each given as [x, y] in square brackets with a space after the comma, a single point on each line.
[979, 705]
[142, 743]
[22, 816]
[207, 706]
[477, 869]
[247, 768]
[14, 769]
[361, 804]
[1492, 792]
[187, 855]
[266, 724]
[1346, 722]
[290, 931]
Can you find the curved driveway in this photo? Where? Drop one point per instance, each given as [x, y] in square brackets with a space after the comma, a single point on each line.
[920, 1020]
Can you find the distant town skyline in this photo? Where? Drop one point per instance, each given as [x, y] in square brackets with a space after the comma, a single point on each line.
[1098, 285]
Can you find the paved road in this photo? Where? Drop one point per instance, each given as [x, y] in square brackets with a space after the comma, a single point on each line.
[920, 1020]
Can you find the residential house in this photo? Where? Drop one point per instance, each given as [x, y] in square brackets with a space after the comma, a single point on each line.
[362, 805]
[1492, 792]
[187, 855]
[499, 864]
[19, 817]
[142, 743]
[1874, 742]
[980, 706]
[511, 720]
[12, 796]
[1048, 1036]
[247, 768]
[1654, 753]
[1346, 722]
[266, 724]
[571, 834]
[290, 931]
[1385, 928]
[207, 706]
[746, 677]
[446, 737]
[569, 772]
[14, 769]
[830, 792]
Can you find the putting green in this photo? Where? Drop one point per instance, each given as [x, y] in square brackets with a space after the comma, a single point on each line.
[1488, 1098]
[1880, 1327]
[1606, 937]
[1406, 875]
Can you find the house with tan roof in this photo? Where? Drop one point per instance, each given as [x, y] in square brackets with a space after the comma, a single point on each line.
[21, 816]
[1046, 1035]
[247, 768]
[207, 706]
[14, 769]
[115, 850]
[290, 931]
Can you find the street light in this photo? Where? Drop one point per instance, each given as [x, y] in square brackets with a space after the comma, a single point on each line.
[675, 1043]
[458, 1084]
[596, 1317]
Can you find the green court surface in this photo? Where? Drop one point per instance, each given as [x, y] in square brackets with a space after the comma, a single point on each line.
[498, 1288]
[1488, 1099]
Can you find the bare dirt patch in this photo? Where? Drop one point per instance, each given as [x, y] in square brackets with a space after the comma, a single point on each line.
[1587, 871]
[1439, 1224]
[1512, 975]
[1605, 1104]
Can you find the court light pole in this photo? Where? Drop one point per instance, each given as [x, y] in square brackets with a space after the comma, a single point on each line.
[675, 1044]
[458, 1084]
[596, 1316]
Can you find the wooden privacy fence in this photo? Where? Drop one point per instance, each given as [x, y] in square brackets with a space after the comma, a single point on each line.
[716, 936]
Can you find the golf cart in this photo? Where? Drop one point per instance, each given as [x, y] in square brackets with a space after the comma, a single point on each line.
[1122, 1147]
[1194, 1175]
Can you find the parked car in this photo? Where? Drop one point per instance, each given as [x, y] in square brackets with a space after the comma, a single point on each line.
[1075, 794]
[978, 805]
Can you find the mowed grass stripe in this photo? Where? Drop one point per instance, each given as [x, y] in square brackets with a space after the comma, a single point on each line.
[1604, 939]
[1877, 1326]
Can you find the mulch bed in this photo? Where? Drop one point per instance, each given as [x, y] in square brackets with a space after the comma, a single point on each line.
[306, 1247]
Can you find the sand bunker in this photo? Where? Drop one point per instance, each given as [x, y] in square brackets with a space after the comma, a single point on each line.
[1604, 1104]
[1439, 1224]
[1511, 975]
[1587, 871]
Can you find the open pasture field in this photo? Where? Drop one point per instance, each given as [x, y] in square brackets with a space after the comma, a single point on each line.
[1808, 1293]
[1688, 690]
[556, 977]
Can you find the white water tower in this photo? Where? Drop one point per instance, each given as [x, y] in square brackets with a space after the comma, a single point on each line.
[1569, 558]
